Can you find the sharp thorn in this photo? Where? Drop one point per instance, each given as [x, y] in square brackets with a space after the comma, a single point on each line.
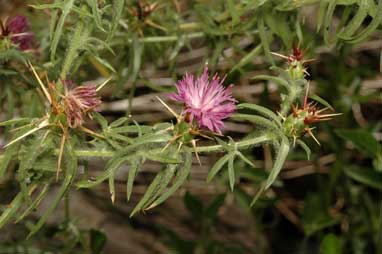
[40, 82]
[168, 108]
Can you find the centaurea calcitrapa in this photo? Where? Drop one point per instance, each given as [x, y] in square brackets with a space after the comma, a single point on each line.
[78, 101]
[296, 62]
[299, 121]
[206, 103]
[15, 31]
[66, 111]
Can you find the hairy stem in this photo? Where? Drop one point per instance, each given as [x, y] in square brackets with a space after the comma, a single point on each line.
[72, 52]
[201, 149]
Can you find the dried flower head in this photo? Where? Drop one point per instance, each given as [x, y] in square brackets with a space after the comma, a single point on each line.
[78, 102]
[17, 29]
[206, 101]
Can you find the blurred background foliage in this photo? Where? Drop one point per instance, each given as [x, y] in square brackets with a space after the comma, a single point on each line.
[329, 204]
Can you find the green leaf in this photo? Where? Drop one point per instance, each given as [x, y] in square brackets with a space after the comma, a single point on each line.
[136, 49]
[281, 156]
[258, 120]
[7, 157]
[329, 11]
[118, 6]
[231, 172]
[355, 22]
[105, 63]
[35, 203]
[362, 140]
[264, 39]
[373, 25]
[279, 81]
[77, 39]
[247, 58]
[159, 137]
[133, 129]
[279, 23]
[71, 162]
[331, 244]
[160, 157]
[233, 12]
[100, 119]
[259, 192]
[367, 176]
[11, 210]
[262, 110]
[305, 147]
[322, 101]
[16, 121]
[217, 167]
[112, 186]
[180, 178]
[111, 167]
[66, 7]
[155, 188]
[53, 19]
[238, 153]
[133, 170]
[28, 154]
[96, 13]
[118, 122]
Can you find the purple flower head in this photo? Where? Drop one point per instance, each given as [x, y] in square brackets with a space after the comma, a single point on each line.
[78, 102]
[17, 29]
[209, 102]
[18, 24]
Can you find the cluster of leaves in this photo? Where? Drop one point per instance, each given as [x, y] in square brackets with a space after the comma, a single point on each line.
[85, 35]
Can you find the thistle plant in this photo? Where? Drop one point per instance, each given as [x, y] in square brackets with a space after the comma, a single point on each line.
[46, 147]
[208, 103]
[15, 32]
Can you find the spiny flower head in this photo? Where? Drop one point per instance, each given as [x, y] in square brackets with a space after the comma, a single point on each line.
[298, 122]
[296, 62]
[78, 102]
[207, 102]
[17, 29]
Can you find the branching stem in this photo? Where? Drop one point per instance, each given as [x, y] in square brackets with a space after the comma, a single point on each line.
[201, 149]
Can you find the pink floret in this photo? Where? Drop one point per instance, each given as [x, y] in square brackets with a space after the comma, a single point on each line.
[209, 102]
[18, 29]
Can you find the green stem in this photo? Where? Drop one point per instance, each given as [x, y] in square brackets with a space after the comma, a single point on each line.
[154, 39]
[72, 52]
[170, 38]
[67, 207]
[201, 149]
